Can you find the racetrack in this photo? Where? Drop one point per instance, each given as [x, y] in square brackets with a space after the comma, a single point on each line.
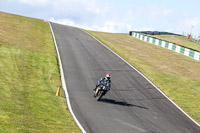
[132, 106]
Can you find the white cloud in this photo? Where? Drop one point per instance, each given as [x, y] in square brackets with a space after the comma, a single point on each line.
[184, 24]
[109, 17]
[76, 6]
[87, 14]
[193, 25]
[69, 22]
[65, 22]
[34, 2]
[156, 13]
[93, 9]
[145, 28]
[166, 12]
[192, 21]
[108, 26]
[130, 16]
[66, 5]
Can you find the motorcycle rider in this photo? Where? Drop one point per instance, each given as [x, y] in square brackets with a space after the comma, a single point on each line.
[106, 81]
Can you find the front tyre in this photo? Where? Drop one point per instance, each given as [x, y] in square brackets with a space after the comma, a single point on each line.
[96, 91]
[99, 96]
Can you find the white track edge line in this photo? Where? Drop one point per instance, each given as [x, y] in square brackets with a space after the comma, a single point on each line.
[63, 82]
[146, 79]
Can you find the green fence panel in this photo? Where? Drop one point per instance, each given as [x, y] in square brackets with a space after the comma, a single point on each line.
[166, 44]
[143, 38]
[199, 56]
[182, 50]
[154, 41]
[147, 39]
[191, 54]
[174, 47]
[160, 43]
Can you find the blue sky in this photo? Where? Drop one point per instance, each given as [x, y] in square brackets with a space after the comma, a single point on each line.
[120, 16]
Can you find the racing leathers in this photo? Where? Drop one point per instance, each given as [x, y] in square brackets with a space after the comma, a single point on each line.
[105, 81]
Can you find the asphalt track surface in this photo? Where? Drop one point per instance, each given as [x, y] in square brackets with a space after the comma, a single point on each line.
[132, 106]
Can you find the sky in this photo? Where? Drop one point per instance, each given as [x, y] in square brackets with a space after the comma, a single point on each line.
[116, 16]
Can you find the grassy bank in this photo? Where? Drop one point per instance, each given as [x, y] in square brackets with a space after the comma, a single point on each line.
[180, 40]
[176, 75]
[29, 78]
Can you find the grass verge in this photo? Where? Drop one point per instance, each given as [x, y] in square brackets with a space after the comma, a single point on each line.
[176, 75]
[29, 78]
[180, 40]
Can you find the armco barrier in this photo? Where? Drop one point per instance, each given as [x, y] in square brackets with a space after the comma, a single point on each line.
[171, 46]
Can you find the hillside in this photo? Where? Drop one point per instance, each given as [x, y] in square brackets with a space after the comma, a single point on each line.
[29, 78]
[176, 75]
[180, 40]
[29, 75]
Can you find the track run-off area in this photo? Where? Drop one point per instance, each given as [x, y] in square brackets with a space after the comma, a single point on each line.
[133, 105]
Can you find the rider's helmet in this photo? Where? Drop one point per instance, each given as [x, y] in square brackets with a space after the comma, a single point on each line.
[108, 77]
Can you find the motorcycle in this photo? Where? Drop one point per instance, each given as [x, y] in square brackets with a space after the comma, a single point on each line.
[100, 91]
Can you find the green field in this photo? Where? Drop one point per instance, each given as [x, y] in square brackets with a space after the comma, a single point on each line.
[29, 75]
[176, 75]
[180, 40]
[29, 78]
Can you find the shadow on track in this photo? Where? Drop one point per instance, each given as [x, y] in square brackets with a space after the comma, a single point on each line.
[122, 103]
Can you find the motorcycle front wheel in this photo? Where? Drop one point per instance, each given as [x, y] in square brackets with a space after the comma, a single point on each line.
[99, 96]
[98, 93]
